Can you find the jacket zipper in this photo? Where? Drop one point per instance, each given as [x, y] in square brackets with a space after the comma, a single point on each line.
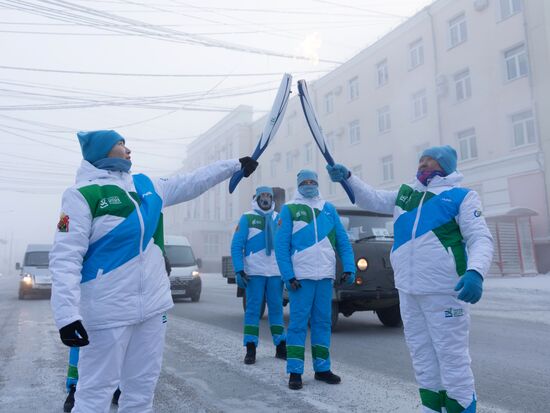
[415, 226]
[141, 236]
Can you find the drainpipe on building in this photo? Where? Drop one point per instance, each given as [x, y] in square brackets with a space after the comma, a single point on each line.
[436, 73]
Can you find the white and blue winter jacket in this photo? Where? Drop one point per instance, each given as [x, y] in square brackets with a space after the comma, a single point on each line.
[439, 232]
[309, 233]
[248, 247]
[106, 262]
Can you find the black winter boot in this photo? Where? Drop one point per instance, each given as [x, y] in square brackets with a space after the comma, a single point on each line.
[69, 401]
[328, 377]
[280, 352]
[250, 357]
[295, 381]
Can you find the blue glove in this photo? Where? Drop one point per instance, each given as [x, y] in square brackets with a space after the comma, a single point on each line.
[242, 279]
[338, 172]
[348, 278]
[293, 284]
[471, 284]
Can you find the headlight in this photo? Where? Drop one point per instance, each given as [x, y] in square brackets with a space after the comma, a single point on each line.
[27, 279]
[362, 264]
[195, 274]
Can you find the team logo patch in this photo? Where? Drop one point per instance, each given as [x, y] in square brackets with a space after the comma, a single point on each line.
[477, 213]
[164, 318]
[63, 224]
[454, 312]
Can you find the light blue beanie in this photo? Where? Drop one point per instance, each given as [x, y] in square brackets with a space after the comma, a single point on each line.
[306, 174]
[263, 190]
[444, 155]
[96, 145]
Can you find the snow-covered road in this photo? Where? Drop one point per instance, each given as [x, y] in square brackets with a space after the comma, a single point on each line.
[203, 369]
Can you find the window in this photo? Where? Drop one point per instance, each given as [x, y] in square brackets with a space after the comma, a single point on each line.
[516, 62]
[458, 32]
[290, 125]
[357, 171]
[463, 85]
[467, 144]
[419, 105]
[273, 166]
[308, 153]
[509, 8]
[353, 87]
[289, 161]
[331, 142]
[382, 73]
[329, 102]
[523, 125]
[354, 132]
[387, 168]
[384, 119]
[416, 53]
[211, 243]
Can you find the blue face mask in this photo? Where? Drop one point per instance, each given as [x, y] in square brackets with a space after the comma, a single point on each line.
[425, 177]
[114, 164]
[309, 191]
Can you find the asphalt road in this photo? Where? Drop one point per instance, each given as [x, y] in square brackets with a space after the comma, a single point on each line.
[203, 369]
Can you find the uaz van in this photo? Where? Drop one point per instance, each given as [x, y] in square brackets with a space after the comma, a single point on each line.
[35, 273]
[185, 280]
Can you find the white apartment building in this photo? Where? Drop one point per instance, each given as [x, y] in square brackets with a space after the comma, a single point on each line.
[460, 72]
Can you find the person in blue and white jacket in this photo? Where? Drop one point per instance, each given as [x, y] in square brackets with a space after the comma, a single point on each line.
[442, 250]
[253, 255]
[110, 291]
[309, 233]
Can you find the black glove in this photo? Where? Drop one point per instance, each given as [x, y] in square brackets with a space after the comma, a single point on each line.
[74, 334]
[347, 278]
[248, 165]
[293, 284]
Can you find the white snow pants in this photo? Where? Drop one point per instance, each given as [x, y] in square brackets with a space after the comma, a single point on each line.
[129, 357]
[437, 334]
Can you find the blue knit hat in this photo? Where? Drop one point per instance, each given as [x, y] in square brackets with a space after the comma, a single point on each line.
[444, 155]
[306, 174]
[96, 145]
[263, 190]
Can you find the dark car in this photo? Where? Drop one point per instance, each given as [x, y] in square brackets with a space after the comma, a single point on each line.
[371, 236]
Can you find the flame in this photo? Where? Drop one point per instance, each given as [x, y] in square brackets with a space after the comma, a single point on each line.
[310, 46]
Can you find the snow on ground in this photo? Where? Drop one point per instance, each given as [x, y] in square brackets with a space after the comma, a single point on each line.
[515, 297]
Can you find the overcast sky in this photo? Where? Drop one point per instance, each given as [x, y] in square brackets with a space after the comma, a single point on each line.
[46, 98]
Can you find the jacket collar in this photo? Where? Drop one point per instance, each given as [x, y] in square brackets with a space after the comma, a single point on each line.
[88, 172]
[452, 180]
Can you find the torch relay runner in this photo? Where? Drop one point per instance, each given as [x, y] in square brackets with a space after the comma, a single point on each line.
[110, 292]
[442, 250]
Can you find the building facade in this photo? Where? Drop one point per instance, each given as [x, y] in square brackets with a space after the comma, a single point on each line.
[468, 73]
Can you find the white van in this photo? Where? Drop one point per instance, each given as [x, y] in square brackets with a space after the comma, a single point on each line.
[185, 280]
[35, 273]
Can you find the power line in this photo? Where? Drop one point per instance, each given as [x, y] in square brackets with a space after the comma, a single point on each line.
[192, 75]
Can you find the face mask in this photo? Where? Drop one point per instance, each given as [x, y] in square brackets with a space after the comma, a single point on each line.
[114, 164]
[264, 201]
[426, 176]
[309, 191]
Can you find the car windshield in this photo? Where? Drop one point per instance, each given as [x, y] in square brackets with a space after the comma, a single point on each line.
[180, 255]
[361, 225]
[37, 259]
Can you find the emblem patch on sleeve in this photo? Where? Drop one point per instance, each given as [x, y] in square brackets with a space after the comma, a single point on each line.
[63, 224]
[477, 213]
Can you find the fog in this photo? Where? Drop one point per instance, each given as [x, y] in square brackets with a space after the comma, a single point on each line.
[163, 73]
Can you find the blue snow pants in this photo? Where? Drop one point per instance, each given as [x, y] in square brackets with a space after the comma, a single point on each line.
[312, 302]
[272, 288]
